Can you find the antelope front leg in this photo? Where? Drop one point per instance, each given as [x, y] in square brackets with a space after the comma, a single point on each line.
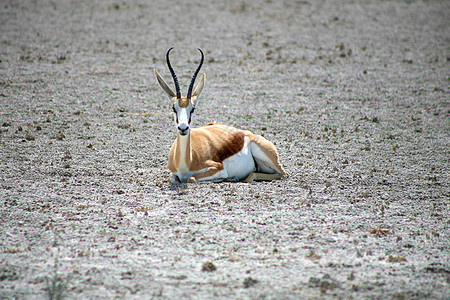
[215, 172]
[174, 179]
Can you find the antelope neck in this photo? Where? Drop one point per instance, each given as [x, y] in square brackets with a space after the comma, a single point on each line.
[184, 149]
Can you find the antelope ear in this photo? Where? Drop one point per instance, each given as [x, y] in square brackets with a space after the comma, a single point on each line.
[164, 85]
[199, 85]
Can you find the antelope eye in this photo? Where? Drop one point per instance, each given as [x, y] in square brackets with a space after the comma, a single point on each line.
[174, 110]
[192, 110]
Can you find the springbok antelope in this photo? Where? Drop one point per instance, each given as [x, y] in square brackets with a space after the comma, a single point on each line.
[214, 152]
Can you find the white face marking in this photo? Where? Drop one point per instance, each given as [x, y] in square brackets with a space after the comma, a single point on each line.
[182, 118]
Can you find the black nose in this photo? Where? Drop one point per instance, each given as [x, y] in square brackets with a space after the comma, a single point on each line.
[183, 129]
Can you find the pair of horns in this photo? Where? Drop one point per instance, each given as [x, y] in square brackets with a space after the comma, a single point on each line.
[175, 79]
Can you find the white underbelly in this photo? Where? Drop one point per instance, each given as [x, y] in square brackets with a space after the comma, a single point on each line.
[241, 164]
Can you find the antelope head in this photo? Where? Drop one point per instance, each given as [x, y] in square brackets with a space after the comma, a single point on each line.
[183, 107]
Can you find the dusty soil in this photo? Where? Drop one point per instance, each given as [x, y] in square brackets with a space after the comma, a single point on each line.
[355, 95]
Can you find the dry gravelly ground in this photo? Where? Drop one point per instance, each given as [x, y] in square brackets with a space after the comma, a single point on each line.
[355, 94]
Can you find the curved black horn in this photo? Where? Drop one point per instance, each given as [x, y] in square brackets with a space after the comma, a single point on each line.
[191, 86]
[174, 76]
